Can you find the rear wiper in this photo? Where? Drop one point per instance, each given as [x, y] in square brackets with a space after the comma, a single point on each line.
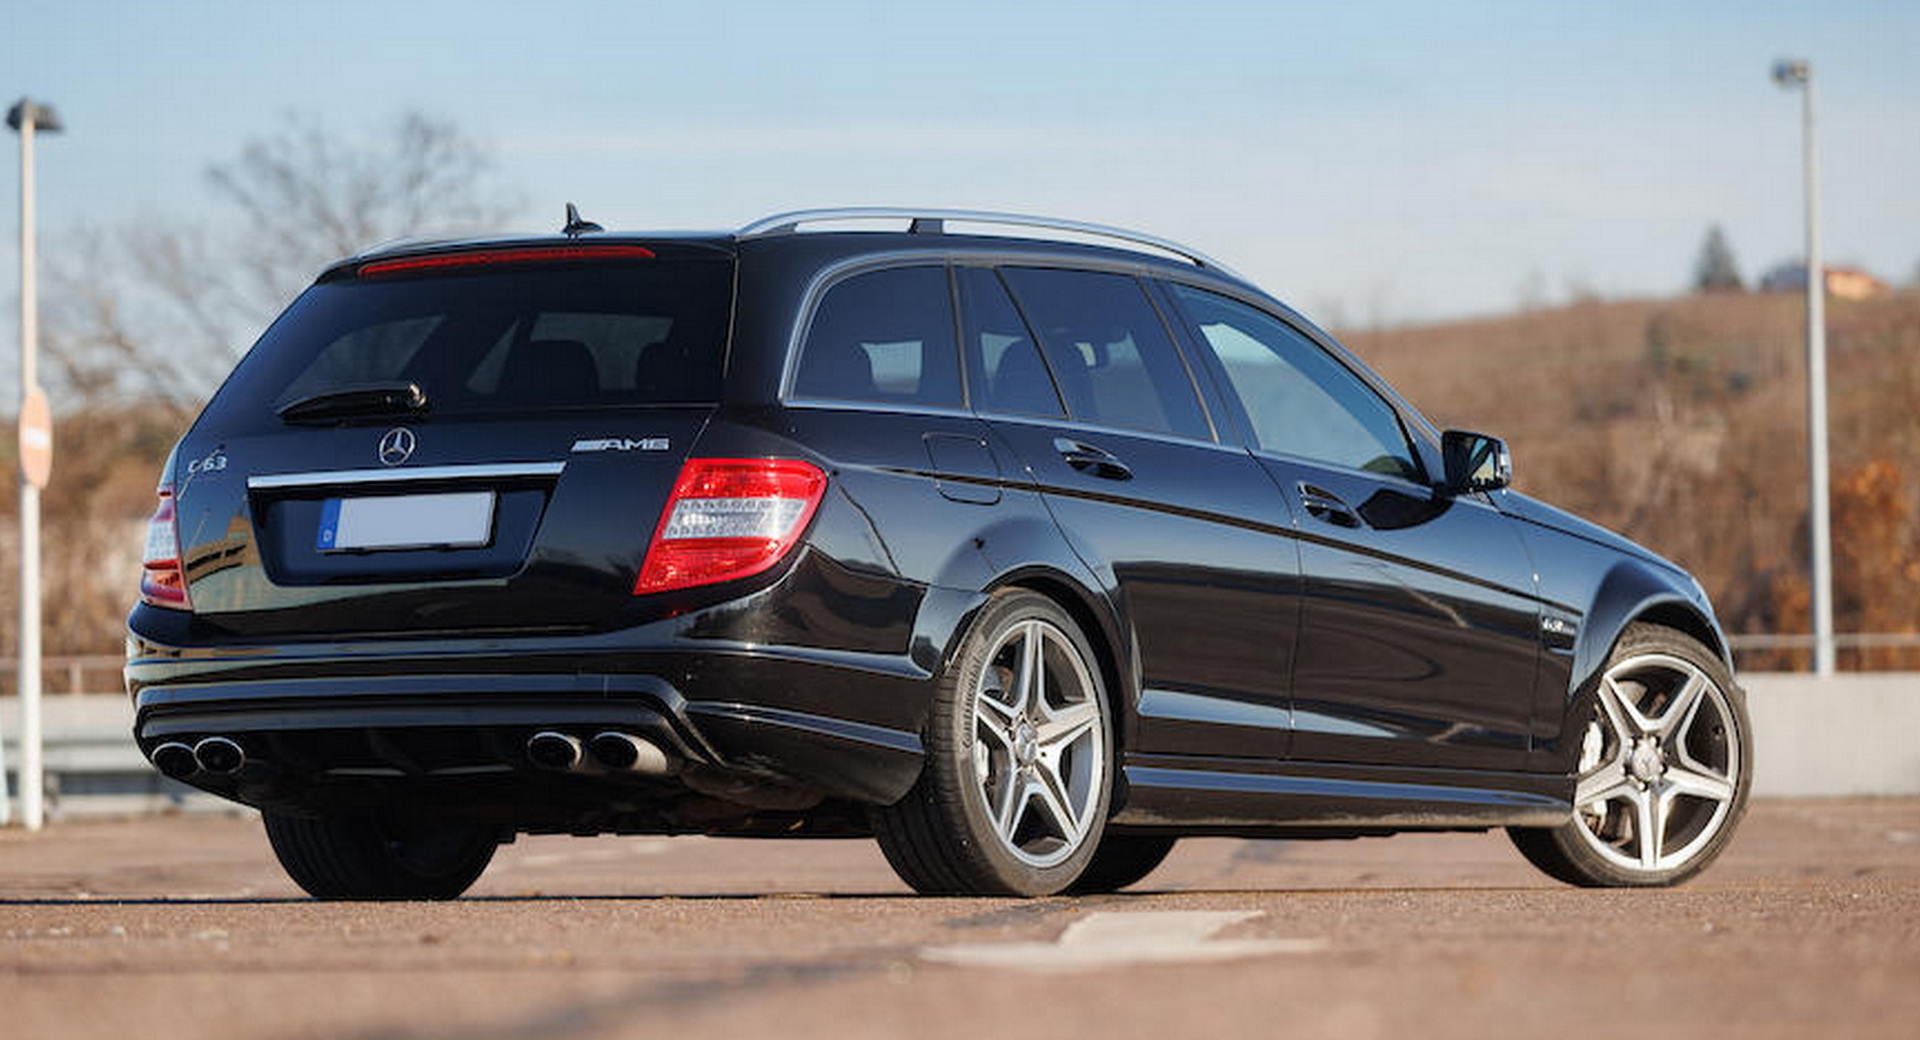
[356, 399]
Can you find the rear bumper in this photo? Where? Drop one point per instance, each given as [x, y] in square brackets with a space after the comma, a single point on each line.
[327, 726]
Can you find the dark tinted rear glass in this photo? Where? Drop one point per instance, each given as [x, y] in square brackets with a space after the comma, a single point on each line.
[884, 336]
[1008, 375]
[1108, 351]
[504, 340]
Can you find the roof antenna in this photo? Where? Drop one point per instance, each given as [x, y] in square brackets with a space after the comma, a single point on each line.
[577, 227]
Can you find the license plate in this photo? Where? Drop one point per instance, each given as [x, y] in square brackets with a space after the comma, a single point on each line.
[455, 520]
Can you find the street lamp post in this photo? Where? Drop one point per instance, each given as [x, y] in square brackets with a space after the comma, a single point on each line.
[1789, 75]
[35, 446]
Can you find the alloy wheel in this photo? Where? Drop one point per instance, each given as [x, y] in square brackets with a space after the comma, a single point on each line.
[1660, 764]
[1039, 750]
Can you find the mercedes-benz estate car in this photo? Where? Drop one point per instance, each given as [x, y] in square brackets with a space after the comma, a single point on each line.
[1025, 556]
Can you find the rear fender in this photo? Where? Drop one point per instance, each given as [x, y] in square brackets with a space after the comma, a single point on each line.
[1029, 553]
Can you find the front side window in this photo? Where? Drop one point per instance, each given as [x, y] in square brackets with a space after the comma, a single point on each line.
[1113, 360]
[1299, 399]
[884, 336]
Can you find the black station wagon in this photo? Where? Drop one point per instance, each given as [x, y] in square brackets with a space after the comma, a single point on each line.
[1025, 547]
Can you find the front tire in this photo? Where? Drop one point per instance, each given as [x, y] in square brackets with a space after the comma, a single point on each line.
[1013, 797]
[366, 858]
[1665, 767]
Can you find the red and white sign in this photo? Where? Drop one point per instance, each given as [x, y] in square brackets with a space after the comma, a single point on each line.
[36, 438]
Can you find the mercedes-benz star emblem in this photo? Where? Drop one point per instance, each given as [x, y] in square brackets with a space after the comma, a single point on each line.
[397, 446]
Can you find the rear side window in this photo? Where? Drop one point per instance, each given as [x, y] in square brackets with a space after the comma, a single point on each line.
[1110, 354]
[1298, 398]
[1003, 363]
[501, 340]
[884, 336]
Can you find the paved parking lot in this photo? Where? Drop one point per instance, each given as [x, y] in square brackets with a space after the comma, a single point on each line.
[184, 927]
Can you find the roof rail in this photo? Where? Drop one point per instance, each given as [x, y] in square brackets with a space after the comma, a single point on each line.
[932, 221]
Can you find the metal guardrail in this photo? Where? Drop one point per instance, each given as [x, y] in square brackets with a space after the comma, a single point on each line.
[94, 769]
[81, 673]
[1843, 640]
[91, 765]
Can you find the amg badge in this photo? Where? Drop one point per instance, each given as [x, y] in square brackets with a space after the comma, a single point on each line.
[622, 444]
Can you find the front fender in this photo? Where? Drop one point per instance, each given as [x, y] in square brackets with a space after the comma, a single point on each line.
[1631, 590]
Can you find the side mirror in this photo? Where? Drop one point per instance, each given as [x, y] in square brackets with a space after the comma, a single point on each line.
[1475, 462]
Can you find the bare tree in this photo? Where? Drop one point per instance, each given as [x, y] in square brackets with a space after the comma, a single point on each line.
[142, 312]
[310, 196]
[142, 319]
[159, 310]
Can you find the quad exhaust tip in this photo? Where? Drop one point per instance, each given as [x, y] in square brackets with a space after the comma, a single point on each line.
[628, 753]
[550, 750]
[610, 750]
[218, 755]
[174, 759]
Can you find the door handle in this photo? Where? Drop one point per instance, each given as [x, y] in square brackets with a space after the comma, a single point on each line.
[1091, 460]
[1326, 506]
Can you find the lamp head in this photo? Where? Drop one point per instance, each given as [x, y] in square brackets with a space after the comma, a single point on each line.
[1790, 73]
[45, 119]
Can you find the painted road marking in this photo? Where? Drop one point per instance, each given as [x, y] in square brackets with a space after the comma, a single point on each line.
[1112, 940]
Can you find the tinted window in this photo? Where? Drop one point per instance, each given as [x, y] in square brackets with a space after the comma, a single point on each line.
[883, 336]
[500, 339]
[1299, 399]
[1109, 352]
[1003, 364]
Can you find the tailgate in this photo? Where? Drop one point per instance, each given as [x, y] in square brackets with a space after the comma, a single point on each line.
[474, 440]
[527, 526]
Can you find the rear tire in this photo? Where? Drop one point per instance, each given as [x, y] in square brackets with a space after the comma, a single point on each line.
[367, 858]
[1122, 860]
[1666, 763]
[1019, 758]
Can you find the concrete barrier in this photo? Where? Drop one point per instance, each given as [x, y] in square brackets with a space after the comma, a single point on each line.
[92, 766]
[1850, 734]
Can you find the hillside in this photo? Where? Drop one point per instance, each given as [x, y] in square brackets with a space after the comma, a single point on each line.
[1679, 422]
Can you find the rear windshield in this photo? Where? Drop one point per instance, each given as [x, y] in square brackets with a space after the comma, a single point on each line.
[594, 335]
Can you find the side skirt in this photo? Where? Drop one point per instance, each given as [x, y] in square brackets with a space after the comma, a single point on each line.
[1254, 796]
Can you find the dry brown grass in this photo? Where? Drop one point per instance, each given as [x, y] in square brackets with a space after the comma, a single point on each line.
[1682, 424]
[93, 517]
[1678, 422]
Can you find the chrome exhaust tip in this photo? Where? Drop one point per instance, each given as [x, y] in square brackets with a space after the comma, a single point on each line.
[219, 756]
[550, 750]
[174, 759]
[626, 752]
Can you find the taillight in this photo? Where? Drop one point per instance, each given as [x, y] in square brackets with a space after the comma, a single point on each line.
[729, 518]
[162, 582]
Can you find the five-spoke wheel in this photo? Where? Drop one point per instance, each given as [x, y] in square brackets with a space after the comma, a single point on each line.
[1663, 768]
[1039, 750]
[1014, 796]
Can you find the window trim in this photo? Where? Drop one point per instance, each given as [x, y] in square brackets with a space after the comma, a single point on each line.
[823, 282]
[1225, 415]
[1419, 433]
[1111, 431]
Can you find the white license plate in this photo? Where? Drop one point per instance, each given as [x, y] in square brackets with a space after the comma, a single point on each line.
[454, 520]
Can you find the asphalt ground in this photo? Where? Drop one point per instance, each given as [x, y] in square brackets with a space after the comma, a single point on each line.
[184, 927]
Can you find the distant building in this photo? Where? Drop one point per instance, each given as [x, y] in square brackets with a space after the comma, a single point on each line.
[1843, 283]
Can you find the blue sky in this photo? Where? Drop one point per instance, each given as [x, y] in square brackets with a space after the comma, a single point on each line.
[1367, 161]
